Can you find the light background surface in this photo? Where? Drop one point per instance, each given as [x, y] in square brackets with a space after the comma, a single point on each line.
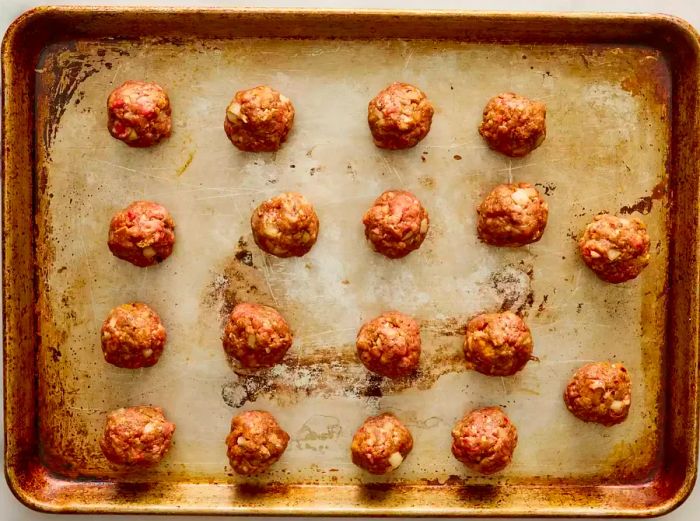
[10, 509]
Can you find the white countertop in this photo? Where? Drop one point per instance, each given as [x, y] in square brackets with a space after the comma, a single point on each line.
[10, 508]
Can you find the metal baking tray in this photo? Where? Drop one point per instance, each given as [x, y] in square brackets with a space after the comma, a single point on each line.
[622, 98]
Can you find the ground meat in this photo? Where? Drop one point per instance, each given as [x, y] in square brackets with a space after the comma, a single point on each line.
[256, 335]
[137, 436]
[513, 125]
[255, 442]
[132, 336]
[259, 119]
[396, 224]
[381, 444]
[285, 226]
[484, 440]
[143, 233]
[615, 248]
[498, 344]
[389, 345]
[599, 392]
[399, 116]
[139, 113]
[512, 215]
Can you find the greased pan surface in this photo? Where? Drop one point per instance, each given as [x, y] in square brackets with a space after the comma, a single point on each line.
[613, 144]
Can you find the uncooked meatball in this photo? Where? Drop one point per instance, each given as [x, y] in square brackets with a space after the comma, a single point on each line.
[513, 125]
[399, 116]
[389, 345]
[256, 335]
[132, 336]
[285, 226]
[381, 444]
[512, 215]
[498, 344]
[396, 224]
[484, 440]
[139, 113]
[599, 392]
[255, 442]
[143, 233]
[137, 436]
[259, 119]
[615, 248]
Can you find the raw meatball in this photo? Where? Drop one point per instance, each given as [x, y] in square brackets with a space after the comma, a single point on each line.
[513, 125]
[389, 345]
[615, 248]
[139, 113]
[285, 226]
[396, 224]
[132, 336]
[255, 442]
[512, 215]
[599, 392]
[381, 444]
[484, 440]
[259, 119]
[137, 436]
[498, 344]
[256, 335]
[399, 116]
[143, 233]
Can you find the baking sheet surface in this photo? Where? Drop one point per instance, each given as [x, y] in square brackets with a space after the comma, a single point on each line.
[608, 135]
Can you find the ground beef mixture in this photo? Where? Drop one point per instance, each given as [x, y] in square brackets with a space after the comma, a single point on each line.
[399, 116]
[615, 248]
[285, 226]
[259, 119]
[381, 444]
[512, 215]
[136, 436]
[389, 345]
[484, 440]
[256, 335]
[132, 336]
[139, 113]
[599, 392]
[143, 234]
[396, 224]
[498, 344]
[255, 442]
[513, 125]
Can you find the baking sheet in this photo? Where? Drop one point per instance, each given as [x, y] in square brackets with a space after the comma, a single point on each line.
[608, 130]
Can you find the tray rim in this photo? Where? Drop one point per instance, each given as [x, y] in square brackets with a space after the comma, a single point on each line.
[24, 472]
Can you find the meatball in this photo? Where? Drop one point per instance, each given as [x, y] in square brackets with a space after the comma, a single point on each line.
[512, 215]
[399, 116]
[484, 440]
[256, 335]
[143, 233]
[389, 345]
[396, 224]
[513, 125]
[285, 226]
[139, 113]
[255, 442]
[599, 392]
[498, 344]
[381, 444]
[132, 336]
[615, 248]
[137, 436]
[259, 119]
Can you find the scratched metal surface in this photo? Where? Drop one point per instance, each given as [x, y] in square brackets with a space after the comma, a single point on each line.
[608, 130]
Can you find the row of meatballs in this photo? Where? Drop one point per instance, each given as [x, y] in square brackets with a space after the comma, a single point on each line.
[484, 439]
[261, 118]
